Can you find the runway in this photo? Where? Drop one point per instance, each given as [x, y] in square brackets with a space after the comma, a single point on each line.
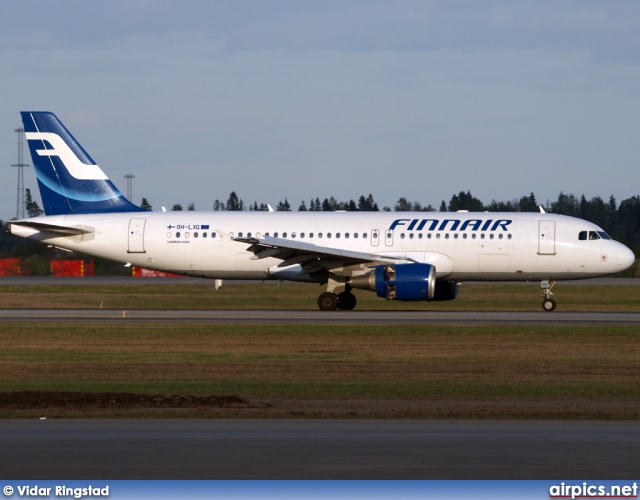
[314, 449]
[317, 317]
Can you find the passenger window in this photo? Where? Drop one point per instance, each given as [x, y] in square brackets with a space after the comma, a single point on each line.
[402, 236]
[310, 235]
[204, 235]
[169, 235]
[464, 236]
[213, 235]
[328, 235]
[284, 235]
[420, 236]
[195, 235]
[178, 234]
[355, 235]
[275, 235]
[491, 236]
[455, 236]
[319, 235]
[293, 235]
[364, 235]
[410, 236]
[240, 234]
[337, 235]
[248, 235]
[346, 235]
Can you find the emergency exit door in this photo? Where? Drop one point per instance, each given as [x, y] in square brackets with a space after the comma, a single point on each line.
[375, 237]
[388, 237]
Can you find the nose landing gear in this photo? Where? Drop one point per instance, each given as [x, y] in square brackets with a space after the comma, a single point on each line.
[548, 304]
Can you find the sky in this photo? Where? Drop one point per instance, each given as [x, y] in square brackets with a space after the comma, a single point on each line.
[278, 99]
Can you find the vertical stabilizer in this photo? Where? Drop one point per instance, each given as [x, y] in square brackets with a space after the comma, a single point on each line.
[70, 182]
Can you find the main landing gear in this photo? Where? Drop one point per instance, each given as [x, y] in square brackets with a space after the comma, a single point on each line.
[329, 301]
[548, 304]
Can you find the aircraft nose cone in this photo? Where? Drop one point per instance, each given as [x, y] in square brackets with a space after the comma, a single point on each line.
[626, 258]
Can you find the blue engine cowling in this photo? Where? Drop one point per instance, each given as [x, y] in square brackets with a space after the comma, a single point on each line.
[406, 282]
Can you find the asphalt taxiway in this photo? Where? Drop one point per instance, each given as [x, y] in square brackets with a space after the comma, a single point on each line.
[318, 449]
[318, 317]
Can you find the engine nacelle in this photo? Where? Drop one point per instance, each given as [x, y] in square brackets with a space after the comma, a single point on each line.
[406, 282]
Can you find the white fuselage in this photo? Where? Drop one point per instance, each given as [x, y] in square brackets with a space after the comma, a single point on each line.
[462, 246]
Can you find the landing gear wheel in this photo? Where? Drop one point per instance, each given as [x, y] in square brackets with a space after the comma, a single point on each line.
[346, 301]
[328, 301]
[548, 304]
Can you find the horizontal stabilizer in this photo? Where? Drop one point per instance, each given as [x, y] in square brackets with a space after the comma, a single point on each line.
[57, 230]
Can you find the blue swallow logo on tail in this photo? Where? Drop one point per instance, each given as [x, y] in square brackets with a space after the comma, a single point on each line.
[70, 181]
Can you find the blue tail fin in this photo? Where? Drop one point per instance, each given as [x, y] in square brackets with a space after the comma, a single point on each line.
[70, 182]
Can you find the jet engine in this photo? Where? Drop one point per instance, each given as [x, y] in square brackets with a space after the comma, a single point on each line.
[406, 282]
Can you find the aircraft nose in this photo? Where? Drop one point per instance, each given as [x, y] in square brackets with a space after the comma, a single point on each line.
[626, 258]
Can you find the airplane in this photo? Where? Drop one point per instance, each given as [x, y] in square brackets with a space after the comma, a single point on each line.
[405, 256]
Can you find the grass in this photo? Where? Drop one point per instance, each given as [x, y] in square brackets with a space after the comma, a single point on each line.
[396, 370]
[502, 297]
[329, 370]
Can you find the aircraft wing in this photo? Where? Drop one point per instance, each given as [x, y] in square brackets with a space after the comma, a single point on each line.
[312, 258]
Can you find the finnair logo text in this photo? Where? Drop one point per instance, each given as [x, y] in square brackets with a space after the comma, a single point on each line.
[451, 224]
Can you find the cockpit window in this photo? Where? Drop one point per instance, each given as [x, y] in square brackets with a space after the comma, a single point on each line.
[593, 235]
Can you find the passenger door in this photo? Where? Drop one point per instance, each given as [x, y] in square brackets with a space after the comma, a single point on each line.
[547, 237]
[136, 235]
